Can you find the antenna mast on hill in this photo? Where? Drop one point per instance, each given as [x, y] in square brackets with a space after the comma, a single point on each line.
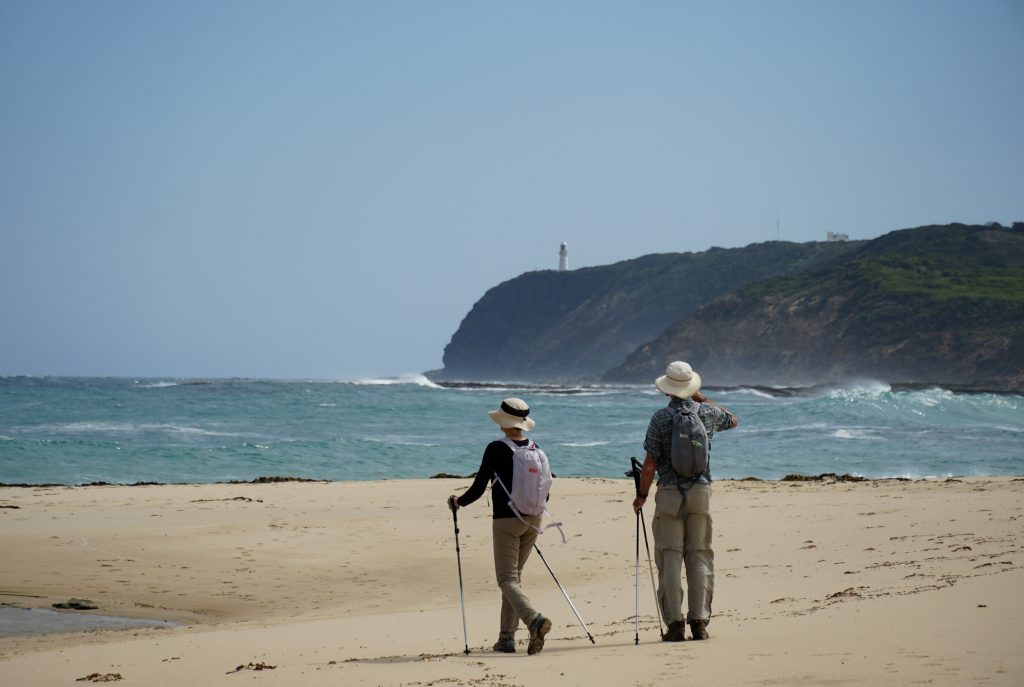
[778, 227]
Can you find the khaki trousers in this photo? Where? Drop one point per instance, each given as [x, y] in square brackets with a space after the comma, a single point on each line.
[513, 542]
[684, 540]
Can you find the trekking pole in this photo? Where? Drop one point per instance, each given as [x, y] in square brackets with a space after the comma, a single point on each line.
[634, 472]
[564, 594]
[458, 558]
[650, 567]
[636, 582]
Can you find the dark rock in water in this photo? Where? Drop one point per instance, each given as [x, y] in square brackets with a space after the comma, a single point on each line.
[22, 485]
[445, 475]
[274, 480]
[822, 477]
[77, 605]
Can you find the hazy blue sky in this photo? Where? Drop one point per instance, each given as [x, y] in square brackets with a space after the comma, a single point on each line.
[324, 189]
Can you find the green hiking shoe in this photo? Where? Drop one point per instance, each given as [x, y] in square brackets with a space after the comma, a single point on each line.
[538, 629]
[505, 645]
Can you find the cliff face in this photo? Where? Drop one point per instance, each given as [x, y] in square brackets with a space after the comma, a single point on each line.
[927, 305]
[567, 326]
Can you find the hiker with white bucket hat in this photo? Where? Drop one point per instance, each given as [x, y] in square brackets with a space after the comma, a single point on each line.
[678, 449]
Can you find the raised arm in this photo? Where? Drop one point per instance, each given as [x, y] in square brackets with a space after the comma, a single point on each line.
[734, 421]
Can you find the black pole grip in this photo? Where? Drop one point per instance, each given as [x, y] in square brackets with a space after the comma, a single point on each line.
[634, 472]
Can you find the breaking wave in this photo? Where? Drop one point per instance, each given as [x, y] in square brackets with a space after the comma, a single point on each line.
[412, 378]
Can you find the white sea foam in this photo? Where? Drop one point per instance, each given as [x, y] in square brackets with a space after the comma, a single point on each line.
[411, 378]
[813, 427]
[570, 391]
[158, 385]
[752, 392]
[584, 444]
[128, 428]
[1002, 428]
[915, 476]
[855, 434]
[929, 398]
[394, 441]
[862, 387]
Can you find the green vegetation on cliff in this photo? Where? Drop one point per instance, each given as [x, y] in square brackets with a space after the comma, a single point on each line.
[929, 305]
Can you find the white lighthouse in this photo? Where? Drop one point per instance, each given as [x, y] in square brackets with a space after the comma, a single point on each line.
[563, 258]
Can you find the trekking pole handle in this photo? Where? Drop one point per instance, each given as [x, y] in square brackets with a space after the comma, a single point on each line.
[634, 471]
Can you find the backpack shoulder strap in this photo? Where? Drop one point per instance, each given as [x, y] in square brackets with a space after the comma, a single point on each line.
[703, 429]
[513, 445]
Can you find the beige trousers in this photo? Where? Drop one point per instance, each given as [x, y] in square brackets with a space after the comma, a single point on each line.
[513, 542]
[684, 540]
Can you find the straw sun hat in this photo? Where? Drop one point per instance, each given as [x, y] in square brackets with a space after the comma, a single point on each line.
[679, 380]
[513, 413]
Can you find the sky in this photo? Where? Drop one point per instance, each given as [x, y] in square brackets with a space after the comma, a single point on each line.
[324, 189]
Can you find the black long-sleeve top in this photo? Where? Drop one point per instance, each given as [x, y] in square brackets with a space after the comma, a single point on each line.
[497, 459]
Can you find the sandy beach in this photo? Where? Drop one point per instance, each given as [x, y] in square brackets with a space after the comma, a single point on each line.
[355, 583]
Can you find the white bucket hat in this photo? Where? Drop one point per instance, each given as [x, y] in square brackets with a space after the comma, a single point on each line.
[513, 413]
[679, 380]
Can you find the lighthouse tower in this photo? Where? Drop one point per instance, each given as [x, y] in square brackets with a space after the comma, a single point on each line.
[563, 258]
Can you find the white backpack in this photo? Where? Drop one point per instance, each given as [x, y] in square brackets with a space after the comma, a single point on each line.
[531, 482]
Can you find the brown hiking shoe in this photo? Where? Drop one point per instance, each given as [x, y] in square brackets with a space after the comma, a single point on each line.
[538, 629]
[699, 629]
[675, 632]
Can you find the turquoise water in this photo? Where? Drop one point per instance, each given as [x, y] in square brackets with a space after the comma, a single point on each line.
[81, 430]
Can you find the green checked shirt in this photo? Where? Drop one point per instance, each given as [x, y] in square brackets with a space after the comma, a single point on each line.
[659, 436]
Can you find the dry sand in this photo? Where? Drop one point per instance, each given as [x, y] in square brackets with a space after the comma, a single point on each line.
[818, 583]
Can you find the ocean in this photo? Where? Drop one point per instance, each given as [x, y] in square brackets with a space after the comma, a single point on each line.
[57, 430]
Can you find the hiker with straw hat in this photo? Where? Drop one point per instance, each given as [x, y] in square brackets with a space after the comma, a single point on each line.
[678, 445]
[514, 532]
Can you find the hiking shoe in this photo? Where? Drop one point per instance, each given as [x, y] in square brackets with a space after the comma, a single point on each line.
[675, 632]
[538, 628]
[505, 645]
[699, 629]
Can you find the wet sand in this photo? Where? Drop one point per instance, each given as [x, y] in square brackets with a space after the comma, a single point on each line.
[823, 582]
